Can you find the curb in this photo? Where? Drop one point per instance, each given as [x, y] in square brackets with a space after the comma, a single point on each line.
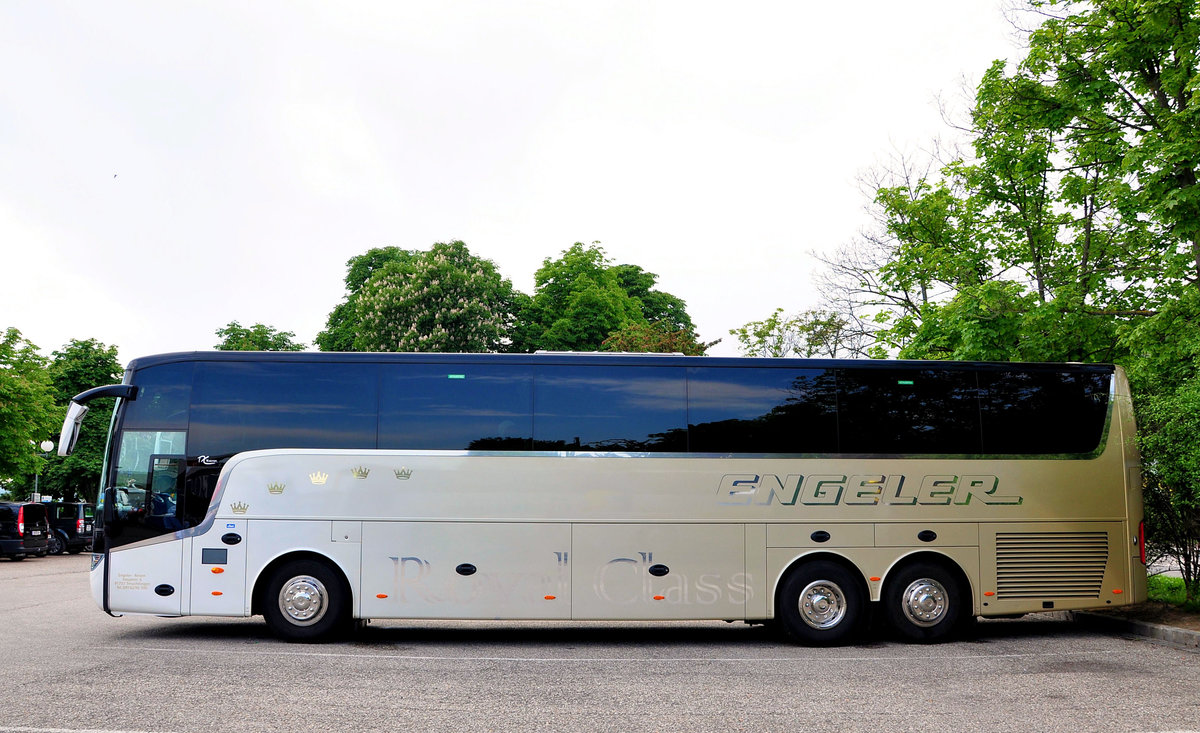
[1161, 632]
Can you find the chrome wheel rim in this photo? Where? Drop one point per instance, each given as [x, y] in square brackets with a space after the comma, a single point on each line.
[822, 604]
[303, 600]
[925, 602]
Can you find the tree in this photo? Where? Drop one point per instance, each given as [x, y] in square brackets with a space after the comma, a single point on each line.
[1122, 76]
[27, 414]
[259, 337]
[78, 366]
[657, 307]
[1072, 234]
[581, 300]
[341, 325]
[808, 334]
[654, 338]
[1164, 373]
[445, 300]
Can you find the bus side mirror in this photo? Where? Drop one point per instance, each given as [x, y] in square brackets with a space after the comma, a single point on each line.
[70, 428]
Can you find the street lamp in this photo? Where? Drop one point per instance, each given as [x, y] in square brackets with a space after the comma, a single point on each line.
[46, 446]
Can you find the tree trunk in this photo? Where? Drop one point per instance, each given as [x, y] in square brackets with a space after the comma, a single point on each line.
[1196, 259]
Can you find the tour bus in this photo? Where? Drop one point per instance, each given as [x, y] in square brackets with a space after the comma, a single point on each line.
[322, 490]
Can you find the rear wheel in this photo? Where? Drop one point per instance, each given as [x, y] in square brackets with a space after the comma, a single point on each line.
[306, 600]
[925, 602]
[57, 544]
[821, 603]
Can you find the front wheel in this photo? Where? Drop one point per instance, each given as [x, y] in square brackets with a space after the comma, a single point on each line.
[821, 603]
[925, 602]
[306, 600]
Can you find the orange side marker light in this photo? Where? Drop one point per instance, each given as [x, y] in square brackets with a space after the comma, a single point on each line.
[550, 598]
[218, 571]
[218, 593]
[1117, 591]
[989, 593]
[381, 595]
[659, 598]
[876, 580]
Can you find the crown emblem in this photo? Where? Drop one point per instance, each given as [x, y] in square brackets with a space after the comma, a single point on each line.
[318, 478]
[404, 473]
[360, 472]
[239, 507]
[276, 488]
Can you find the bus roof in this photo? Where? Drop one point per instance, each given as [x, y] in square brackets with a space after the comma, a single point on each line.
[590, 358]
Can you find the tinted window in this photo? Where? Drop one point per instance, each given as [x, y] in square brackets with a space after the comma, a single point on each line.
[456, 407]
[162, 397]
[603, 409]
[931, 411]
[1043, 411]
[248, 406]
[761, 410]
[64, 511]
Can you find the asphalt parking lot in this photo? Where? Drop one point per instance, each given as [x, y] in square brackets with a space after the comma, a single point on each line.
[69, 667]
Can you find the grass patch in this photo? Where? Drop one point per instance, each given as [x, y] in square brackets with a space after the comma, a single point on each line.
[1170, 590]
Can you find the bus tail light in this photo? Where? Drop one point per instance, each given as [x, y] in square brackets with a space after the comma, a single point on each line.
[21, 521]
[1142, 541]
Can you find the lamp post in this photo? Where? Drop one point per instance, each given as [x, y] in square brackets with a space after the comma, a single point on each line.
[46, 446]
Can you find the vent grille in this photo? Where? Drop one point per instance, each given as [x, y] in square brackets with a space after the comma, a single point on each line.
[1050, 564]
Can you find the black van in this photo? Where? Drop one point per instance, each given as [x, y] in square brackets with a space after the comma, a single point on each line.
[70, 526]
[23, 530]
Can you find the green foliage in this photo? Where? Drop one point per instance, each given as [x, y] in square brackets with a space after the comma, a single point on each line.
[79, 366]
[444, 300]
[1072, 235]
[341, 325]
[1121, 77]
[449, 300]
[578, 301]
[581, 299]
[1172, 590]
[655, 338]
[657, 307]
[1002, 321]
[236, 337]
[27, 412]
[1164, 372]
[807, 334]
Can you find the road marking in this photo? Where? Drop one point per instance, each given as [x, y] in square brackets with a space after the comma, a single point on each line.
[18, 729]
[651, 660]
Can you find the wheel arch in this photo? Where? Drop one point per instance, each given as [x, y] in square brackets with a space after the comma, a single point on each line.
[815, 556]
[937, 558]
[267, 571]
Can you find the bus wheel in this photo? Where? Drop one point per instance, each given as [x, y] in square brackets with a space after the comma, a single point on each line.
[305, 600]
[821, 603]
[924, 602]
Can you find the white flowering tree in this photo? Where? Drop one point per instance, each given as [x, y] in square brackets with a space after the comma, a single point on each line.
[443, 300]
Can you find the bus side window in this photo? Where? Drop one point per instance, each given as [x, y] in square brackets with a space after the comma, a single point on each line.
[907, 411]
[761, 410]
[596, 408]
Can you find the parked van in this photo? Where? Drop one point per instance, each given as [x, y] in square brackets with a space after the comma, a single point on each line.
[24, 530]
[70, 526]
